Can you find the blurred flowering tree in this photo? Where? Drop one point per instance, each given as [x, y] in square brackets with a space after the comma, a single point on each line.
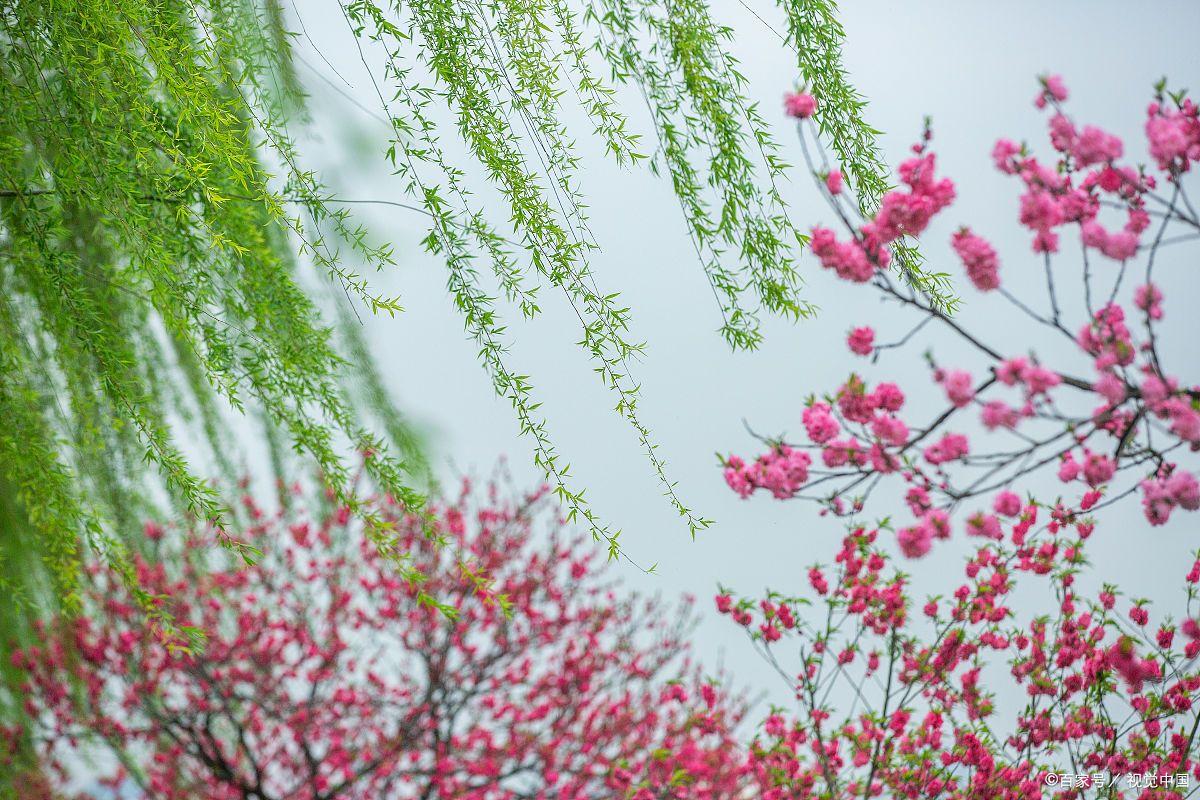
[323, 677]
[895, 703]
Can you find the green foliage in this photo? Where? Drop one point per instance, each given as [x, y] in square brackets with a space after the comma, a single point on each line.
[716, 149]
[493, 65]
[148, 279]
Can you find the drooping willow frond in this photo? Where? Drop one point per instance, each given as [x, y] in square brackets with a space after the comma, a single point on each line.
[148, 274]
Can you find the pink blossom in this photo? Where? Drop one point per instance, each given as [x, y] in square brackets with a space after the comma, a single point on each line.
[1007, 503]
[1068, 468]
[800, 105]
[882, 461]
[861, 341]
[1053, 88]
[1111, 388]
[888, 397]
[1097, 468]
[938, 522]
[1156, 390]
[978, 258]
[959, 386]
[1157, 501]
[841, 452]
[890, 429]
[1148, 298]
[918, 500]
[562, 682]
[819, 423]
[950, 447]
[1174, 136]
[854, 402]
[736, 477]
[847, 259]
[908, 213]
[998, 414]
[1009, 372]
[1123, 660]
[915, 541]
[834, 181]
[985, 525]
[1184, 418]
[1041, 212]
[1184, 489]
[1107, 338]
[1003, 155]
[1062, 133]
[1094, 146]
[1119, 246]
[781, 471]
[1038, 379]
[817, 579]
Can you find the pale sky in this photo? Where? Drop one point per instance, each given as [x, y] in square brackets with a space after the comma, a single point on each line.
[972, 67]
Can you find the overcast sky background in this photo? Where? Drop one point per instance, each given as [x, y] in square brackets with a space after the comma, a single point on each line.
[972, 67]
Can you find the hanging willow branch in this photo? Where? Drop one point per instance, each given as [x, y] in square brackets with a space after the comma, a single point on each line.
[148, 281]
[505, 70]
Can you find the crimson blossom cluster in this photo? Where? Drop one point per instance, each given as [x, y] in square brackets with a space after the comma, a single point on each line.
[1137, 418]
[967, 695]
[322, 675]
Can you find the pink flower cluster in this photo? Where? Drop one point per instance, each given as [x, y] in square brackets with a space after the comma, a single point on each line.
[1107, 338]
[1174, 135]
[859, 442]
[978, 258]
[1160, 495]
[951, 447]
[902, 212]
[908, 213]
[781, 471]
[834, 182]
[784, 469]
[924, 719]
[1088, 147]
[1123, 659]
[1148, 298]
[1034, 378]
[917, 540]
[1070, 192]
[1095, 469]
[1110, 342]
[1054, 90]
[848, 259]
[800, 105]
[959, 386]
[926, 693]
[861, 341]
